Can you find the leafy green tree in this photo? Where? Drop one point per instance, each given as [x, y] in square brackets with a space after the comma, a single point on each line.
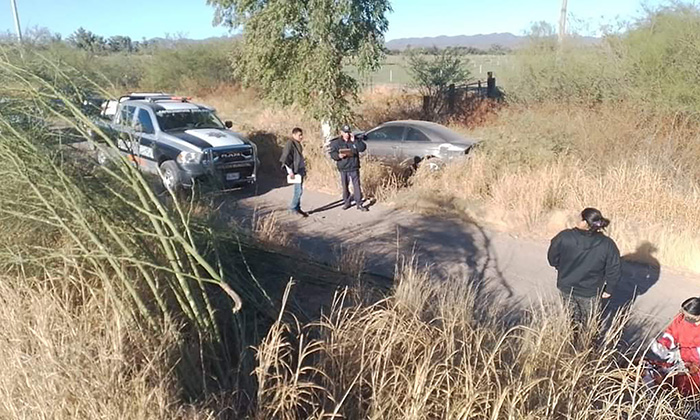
[296, 50]
[498, 49]
[434, 73]
[120, 44]
[88, 41]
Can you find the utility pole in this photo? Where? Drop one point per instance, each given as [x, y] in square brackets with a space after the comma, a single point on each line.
[17, 28]
[562, 22]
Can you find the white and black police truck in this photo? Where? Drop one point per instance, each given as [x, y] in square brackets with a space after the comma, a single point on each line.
[178, 140]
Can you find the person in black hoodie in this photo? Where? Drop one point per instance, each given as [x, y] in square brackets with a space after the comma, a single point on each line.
[292, 160]
[345, 150]
[587, 264]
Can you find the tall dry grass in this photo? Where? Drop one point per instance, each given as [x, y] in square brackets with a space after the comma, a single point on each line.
[268, 229]
[435, 352]
[61, 359]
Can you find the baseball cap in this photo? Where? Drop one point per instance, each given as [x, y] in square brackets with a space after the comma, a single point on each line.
[346, 129]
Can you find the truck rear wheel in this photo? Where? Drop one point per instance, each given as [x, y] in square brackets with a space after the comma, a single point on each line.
[171, 176]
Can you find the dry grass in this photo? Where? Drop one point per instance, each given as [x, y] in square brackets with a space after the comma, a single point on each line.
[350, 260]
[267, 229]
[435, 352]
[61, 359]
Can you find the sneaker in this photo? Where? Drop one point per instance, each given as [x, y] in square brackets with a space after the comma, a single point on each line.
[302, 213]
[347, 206]
[363, 208]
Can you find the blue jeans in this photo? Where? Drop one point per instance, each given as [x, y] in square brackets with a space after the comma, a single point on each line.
[298, 191]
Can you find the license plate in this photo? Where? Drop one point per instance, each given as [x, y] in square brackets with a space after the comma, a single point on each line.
[233, 176]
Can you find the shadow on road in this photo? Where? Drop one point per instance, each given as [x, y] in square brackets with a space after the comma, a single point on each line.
[329, 206]
[640, 272]
[451, 250]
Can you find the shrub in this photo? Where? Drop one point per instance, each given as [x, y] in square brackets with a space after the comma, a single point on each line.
[653, 63]
[189, 68]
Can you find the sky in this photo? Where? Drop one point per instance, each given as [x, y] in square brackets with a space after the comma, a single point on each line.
[410, 18]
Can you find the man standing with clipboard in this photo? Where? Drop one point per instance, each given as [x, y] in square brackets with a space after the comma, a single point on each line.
[345, 151]
[292, 160]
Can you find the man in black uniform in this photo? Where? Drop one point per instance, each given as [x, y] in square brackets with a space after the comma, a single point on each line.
[346, 150]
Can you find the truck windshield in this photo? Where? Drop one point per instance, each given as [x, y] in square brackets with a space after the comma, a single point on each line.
[185, 120]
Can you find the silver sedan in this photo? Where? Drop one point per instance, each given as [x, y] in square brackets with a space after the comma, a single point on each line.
[411, 142]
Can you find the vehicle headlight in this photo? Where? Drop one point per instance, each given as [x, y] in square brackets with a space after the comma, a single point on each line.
[186, 158]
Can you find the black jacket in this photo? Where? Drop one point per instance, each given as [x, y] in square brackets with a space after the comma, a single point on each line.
[293, 156]
[351, 163]
[587, 263]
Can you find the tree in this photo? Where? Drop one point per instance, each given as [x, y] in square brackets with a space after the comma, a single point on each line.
[542, 37]
[41, 36]
[498, 49]
[120, 44]
[88, 41]
[296, 50]
[433, 75]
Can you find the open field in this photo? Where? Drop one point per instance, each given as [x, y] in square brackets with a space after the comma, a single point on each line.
[394, 70]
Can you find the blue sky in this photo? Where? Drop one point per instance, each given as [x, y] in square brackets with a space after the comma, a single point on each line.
[411, 18]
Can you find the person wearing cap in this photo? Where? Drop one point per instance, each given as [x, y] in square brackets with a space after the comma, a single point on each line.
[587, 263]
[345, 151]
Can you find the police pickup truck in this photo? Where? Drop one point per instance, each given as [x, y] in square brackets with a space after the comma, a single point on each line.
[178, 140]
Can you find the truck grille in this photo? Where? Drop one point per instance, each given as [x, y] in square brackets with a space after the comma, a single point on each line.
[224, 158]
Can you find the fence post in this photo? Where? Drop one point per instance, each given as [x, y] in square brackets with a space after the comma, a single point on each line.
[451, 99]
[490, 85]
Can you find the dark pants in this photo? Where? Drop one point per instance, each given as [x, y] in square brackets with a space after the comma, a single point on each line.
[345, 179]
[582, 308]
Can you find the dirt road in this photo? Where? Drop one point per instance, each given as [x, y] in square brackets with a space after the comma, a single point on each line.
[453, 250]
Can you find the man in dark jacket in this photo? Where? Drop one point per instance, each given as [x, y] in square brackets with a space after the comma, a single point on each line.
[587, 263]
[346, 150]
[292, 160]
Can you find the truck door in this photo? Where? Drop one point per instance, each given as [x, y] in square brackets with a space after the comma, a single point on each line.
[144, 140]
[123, 125]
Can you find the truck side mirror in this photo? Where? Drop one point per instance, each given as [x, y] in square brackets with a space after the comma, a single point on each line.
[228, 124]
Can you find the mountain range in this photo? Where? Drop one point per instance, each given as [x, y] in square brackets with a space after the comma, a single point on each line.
[481, 41]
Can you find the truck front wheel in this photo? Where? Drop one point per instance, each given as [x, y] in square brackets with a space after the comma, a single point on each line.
[171, 176]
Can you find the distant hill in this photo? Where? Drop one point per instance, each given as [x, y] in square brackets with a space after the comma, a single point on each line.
[481, 41]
